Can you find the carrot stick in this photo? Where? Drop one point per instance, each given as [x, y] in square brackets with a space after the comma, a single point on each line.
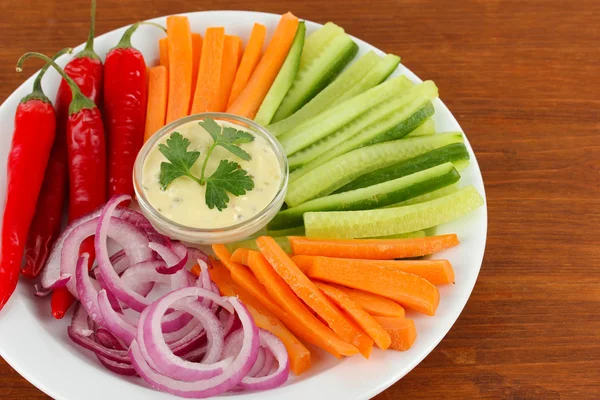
[240, 256]
[231, 54]
[163, 48]
[319, 334]
[180, 67]
[374, 304]
[437, 272]
[402, 331]
[299, 354]
[358, 314]
[249, 60]
[250, 99]
[196, 54]
[158, 82]
[373, 249]
[312, 296]
[409, 290]
[209, 72]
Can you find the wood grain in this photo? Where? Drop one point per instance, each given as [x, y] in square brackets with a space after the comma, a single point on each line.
[522, 78]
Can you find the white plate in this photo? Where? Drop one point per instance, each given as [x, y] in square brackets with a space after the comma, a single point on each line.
[37, 346]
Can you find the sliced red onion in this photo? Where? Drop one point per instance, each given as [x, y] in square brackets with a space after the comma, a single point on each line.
[216, 385]
[195, 355]
[113, 321]
[195, 253]
[174, 261]
[41, 292]
[158, 349]
[114, 302]
[228, 321]
[141, 277]
[280, 375]
[107, 339]
[117, 367]
[120, 261]
[260, 362]
[268, 364]
[87, 292]
[80, 322]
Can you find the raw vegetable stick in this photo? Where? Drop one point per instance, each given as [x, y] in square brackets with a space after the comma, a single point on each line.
[250, 99]
[437, 272]
[409, 290]
[373, 249]
[196, 54]
[180, 67]
[299, 354]
[312, 296]
[158, 88]
[402, 331]
[241, 256]
[209, 72]
[358, 314]
[249, 60]
[323, 336]
[374, 304]
[231, 60]
[163, 49]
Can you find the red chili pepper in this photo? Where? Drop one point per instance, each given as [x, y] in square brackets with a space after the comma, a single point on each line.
[86, 70]
[35, 128]
[125, 110]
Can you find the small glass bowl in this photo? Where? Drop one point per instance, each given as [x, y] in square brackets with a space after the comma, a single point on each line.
[227, 234]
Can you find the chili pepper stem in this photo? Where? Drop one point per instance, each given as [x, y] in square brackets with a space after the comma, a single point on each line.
[38, 93]
[79, 101]
[125, 41]
[88, 50]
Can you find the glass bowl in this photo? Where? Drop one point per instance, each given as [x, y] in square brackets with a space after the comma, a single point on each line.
[227, 234]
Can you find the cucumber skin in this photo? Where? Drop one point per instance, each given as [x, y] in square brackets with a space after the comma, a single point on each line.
[372, 197]
[316, 41]
[296, 231]
[367, 127]
[336, 173]
[284, 80]
[406, 126]
[321, 102]
[293, 100]
[425, 129]
[391, 221]
[336, 117]
[450, 153]
[436, 194]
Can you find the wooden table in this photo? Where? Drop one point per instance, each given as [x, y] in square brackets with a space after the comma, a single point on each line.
[522, 77]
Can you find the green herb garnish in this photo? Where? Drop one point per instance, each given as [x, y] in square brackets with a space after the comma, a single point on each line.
[229, 175]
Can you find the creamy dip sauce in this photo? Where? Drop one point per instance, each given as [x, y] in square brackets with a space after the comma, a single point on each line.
[183, 201]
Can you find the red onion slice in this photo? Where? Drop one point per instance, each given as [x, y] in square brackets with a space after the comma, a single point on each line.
[268, 364]
[113, 300]
[280, 375]
[260, 362]
[174, 262]
[117, 367]
[113, 321]
[87, 292]
[107, 339]
[216, 385]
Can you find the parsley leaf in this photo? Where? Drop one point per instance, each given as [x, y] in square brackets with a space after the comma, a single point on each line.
[228, 177]
[228, 138]
[180, 160]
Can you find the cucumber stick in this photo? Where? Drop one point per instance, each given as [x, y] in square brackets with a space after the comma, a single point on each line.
[336, 173]
[315, 74]
[454, 153]
[282, 241]
[408, 235]
[316, 41]
[427, 196]
[336, 117]
[375, 196]
[348, 79]
[391, 221]
[377, 121]
[378, 74]
[426, 128]
[284, 80]
[403, 128]
[296, 231]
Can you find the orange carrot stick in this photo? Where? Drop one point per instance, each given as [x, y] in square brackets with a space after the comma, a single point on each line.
[402, 331]
[320, 334]
[299, 354]
[249, 60]
[358, 314]
[312, 296]
[374, 304]
[373, 249]
[241, 256]
[209, 72]
[409, 290]
[250, 99]
[438, 272]
[196, 54]
[158, 83]
[163, 48]
[180, 67]
[231, 60]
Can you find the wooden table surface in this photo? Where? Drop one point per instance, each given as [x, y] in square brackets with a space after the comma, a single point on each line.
[522, 78]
